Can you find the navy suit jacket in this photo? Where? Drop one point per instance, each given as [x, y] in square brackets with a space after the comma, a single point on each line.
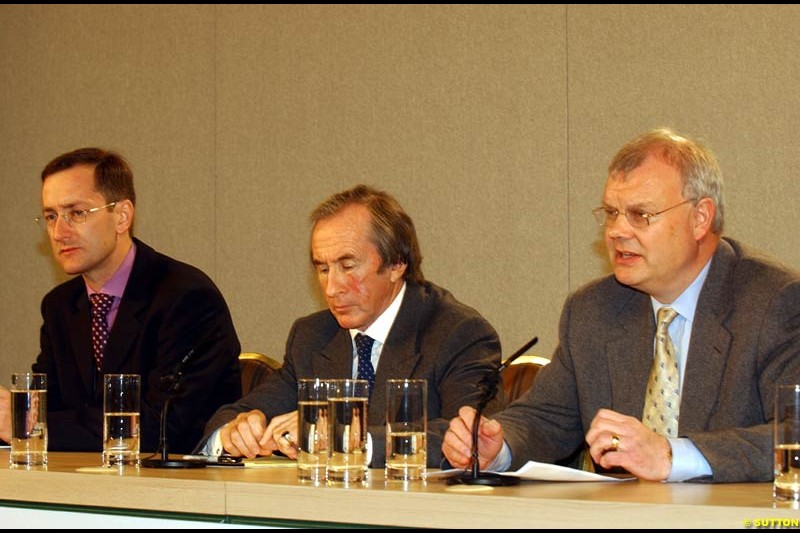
[745, 340]
[434, 337]
[168, 309]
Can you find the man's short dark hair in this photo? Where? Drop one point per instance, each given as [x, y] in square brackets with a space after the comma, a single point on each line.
[113, 176]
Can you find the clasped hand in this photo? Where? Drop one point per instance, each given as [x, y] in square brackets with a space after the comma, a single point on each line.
[249, 435]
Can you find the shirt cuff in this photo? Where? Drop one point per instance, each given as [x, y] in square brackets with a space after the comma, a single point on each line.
[213, 445]
[687, 461]
[502, 461]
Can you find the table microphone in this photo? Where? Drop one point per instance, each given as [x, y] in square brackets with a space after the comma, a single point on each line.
[488, 387]
[173, 381]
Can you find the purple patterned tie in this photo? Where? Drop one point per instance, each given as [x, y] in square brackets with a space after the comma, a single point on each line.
[364, 350]
[101, 305]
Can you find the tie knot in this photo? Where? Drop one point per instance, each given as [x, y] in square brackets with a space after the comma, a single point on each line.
[665, 317]
[101, 302]
[364, 343]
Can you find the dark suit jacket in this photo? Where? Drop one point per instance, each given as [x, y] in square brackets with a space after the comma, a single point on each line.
[745, 340]
[168, 309]
[434, 337]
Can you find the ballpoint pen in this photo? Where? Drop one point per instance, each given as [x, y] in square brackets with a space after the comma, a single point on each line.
[215, 459]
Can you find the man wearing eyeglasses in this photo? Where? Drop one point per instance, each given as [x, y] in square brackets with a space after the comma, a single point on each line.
[129, 309]
[668, 368]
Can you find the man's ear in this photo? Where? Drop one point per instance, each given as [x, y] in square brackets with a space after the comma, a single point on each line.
[704, 212]
[125, 211]
[397, 271]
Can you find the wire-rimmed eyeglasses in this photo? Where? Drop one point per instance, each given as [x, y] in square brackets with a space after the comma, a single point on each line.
[636, 217]
[71, 216]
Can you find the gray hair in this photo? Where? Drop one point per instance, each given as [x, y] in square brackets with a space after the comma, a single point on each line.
[699, 169]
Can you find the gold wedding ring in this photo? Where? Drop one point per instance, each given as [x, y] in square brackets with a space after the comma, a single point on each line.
[614, 443]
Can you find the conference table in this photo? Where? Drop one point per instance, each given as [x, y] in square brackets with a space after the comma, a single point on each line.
[271, 495]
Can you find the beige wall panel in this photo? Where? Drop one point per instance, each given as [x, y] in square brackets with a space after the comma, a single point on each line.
[492, 125]
[729, 74]
[458, 111]
[136, 79]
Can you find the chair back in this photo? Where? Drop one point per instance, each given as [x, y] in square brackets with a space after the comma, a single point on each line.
[519, 376]
[255, 368]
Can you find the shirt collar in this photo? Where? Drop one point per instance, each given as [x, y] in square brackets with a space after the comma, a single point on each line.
[379, 329]
[116, 285]
[686, 303]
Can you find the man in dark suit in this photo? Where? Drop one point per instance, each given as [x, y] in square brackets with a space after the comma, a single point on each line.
[693, 402]
[160, 312]
[367, 260]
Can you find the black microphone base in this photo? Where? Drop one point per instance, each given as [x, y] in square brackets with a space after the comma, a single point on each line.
[167, 463]
[484, 478]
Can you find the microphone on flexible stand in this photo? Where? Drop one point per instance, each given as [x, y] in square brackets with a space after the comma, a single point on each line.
[173, 381]
[488, 386]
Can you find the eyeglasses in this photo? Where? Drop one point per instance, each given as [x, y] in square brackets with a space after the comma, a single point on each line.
[71, 217]
[638, 219]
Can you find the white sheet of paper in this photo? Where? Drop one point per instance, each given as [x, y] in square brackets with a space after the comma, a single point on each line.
[547, 472]
[542, 472]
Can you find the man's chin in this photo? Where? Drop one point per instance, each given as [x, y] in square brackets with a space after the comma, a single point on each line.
[346, 324]
[626, 277]
[346, 321]
[71, 269]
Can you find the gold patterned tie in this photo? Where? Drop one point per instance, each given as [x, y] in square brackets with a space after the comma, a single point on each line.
[662, 402]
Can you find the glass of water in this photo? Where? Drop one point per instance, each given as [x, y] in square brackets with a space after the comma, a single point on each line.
[347, 431]
[121, 397]
[28, 420]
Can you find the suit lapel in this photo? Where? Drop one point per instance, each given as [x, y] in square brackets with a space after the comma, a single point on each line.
[630, 354]
[123, 335]
[127, 326]
[335, 360]
[710, 343]
[79, 324]
[399, 356]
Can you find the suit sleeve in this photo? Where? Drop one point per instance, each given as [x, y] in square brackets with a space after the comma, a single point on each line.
[544, 424]
[276, 395]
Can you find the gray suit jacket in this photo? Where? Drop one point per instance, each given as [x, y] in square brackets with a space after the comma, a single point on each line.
[745, 340]
[434, 337]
